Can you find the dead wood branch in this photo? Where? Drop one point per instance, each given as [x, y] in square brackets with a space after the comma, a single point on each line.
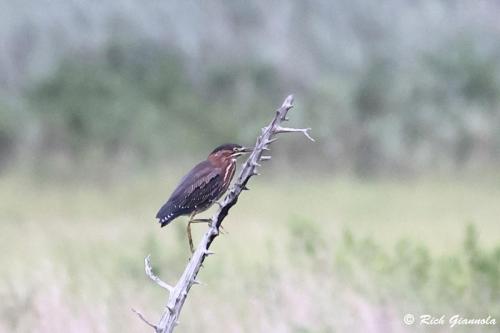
[178, 293]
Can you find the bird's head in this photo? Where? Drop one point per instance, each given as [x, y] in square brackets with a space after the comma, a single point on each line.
[228, 151]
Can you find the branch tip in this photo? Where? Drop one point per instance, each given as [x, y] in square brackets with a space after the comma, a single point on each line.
[149, 272]
[305, 131]
[288, 103]
[144, 319]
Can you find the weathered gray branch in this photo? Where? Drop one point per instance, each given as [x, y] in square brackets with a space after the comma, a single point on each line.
[152, 276]
[144, 319]
[179, 292]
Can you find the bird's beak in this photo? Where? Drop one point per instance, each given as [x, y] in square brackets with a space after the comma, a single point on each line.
[242, 151]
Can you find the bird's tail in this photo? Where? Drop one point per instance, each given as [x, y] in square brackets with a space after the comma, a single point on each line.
[164, 220]
[166, 215]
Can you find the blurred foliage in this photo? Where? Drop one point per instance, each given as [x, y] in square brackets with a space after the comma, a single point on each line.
[305, 236]
[463, 282]
[114, 103]
[136, 102]
[382, 97]
[408, 277]
[8, 134]
[283, 266]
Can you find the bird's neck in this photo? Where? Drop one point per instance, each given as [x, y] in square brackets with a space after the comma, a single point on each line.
[229, 170]
[222, 162]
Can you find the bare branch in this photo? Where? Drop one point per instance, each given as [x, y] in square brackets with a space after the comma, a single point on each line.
[290, 130]
[287, 104]
[144, 319]
[152, 276]
[197, 282]
[269, 141]
[178, 294]
[256, 164]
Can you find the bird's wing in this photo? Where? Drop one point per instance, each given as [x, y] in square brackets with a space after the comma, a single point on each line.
[194, 190]
[199, 176]
[205, 191]
[202, 187]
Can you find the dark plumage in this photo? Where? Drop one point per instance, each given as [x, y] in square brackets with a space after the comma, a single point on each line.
[203, 185]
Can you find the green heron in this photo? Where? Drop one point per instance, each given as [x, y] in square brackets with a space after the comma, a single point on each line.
[202, 187]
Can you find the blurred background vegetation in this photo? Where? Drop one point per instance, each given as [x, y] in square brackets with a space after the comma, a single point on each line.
[393, 210]
[393, 87]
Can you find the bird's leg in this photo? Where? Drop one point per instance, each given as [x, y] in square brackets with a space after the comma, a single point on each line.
[190, 237]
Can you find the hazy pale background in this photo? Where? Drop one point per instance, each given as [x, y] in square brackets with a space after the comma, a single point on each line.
[395, 209]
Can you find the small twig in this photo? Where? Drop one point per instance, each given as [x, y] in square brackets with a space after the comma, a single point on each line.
[152, 276]
[144, 319]
[280, 129]
[197, 282]
[269, 141]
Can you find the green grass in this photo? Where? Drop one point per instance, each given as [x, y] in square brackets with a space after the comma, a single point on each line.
[302, 255]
